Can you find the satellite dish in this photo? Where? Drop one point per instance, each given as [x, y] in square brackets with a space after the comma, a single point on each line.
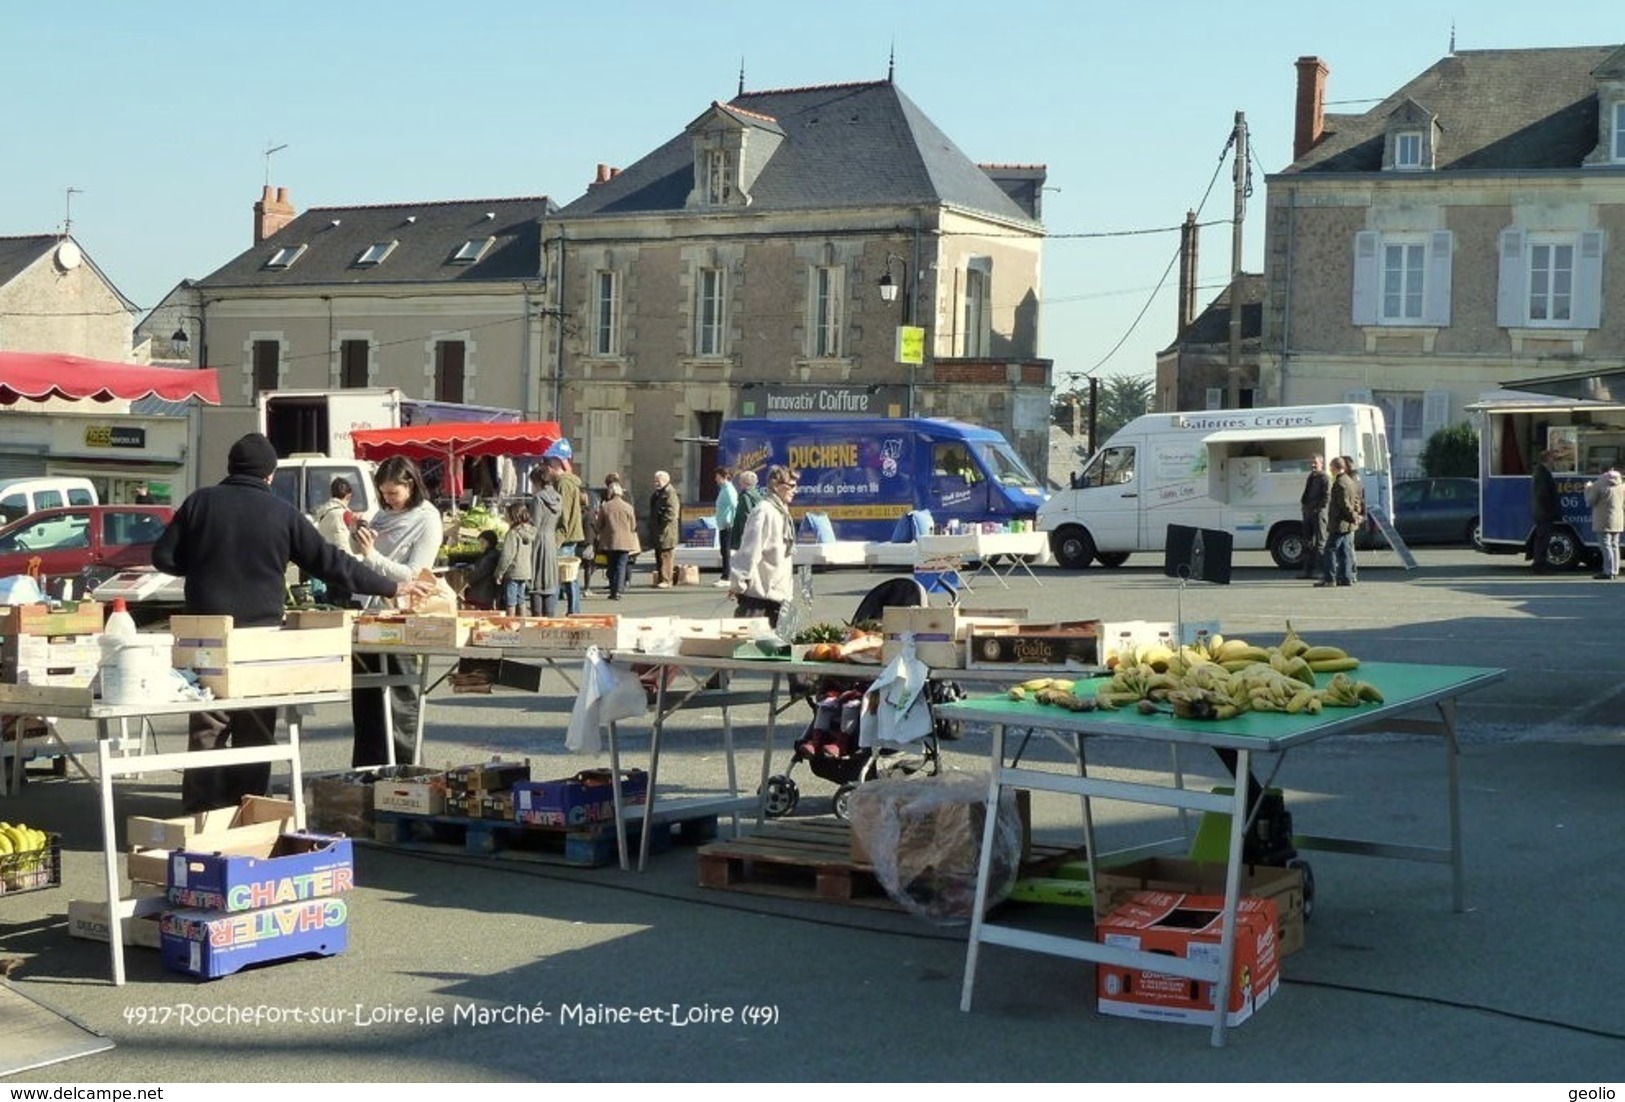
[68, 256]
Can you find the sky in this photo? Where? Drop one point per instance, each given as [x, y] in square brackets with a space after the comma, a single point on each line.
[159, 114]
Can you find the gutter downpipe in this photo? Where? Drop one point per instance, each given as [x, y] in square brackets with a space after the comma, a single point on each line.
[558, 324]
[914, 319]
[1286, 292]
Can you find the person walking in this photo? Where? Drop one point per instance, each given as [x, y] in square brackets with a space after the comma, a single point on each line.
[545, 508]
[1317, 489]
[516, 562]
[572, 528]
[1341, 522]
[750, 495]
[727, 505]
[763, 575]
[1544, 507]
[1606, 496]
[232, 542]
[589, 545]
[616, 536]
[665, 522]
[401, 541]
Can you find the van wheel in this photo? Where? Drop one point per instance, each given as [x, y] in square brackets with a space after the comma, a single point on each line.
[1111, 558]
[1073, 547]
[1287, 546]
[1559, 551]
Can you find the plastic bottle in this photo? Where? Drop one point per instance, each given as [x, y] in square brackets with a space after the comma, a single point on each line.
[118, 630]
[120, 624]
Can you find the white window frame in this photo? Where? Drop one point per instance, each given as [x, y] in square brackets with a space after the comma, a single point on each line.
[1404, 280]
[1549, 291]
[978, 309]
[285, 256]
[375, 253]
[606, 313]
[471, 250]
[1618, 131]
[1408, 147]
[1523, 253]
[710, 313]
[826, 310]
[719, 177]
[1370, 301]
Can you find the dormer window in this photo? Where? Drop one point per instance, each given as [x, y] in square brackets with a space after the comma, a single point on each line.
[375, 253]
[1408, 150]
[285, 256]
[472, 250]
[719, 177]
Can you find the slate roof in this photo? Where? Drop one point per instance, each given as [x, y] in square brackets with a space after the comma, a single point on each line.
[429, 235]
[1212, 325]
[17, 253]
[1498, 110]
[845, 145]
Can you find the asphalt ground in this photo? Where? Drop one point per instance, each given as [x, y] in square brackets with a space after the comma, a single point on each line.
[1392, 985]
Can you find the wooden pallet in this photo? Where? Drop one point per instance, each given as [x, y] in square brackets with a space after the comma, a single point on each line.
[593, 847]
[800, 859]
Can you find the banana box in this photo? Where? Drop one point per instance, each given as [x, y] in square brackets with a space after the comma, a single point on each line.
[1068, 645]
[1187, 926]
[209, 944]
[298, 867]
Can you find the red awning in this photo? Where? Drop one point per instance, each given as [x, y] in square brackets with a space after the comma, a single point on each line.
[457, 440]
[36, 376]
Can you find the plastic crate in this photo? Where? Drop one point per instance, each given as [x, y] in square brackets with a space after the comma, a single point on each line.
[33, 871]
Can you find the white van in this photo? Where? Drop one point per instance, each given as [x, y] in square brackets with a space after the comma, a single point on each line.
[1241, 471]
[21, 496]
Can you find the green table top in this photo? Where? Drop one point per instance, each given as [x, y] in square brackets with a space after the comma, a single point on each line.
[1405, 689]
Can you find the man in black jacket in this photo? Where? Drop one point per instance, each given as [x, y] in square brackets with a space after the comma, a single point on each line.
[232, 542]
[1317, 490]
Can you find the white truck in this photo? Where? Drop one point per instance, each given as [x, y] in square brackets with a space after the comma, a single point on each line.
[1241, 471]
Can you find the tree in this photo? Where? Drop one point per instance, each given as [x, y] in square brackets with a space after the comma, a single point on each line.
[1121, 399]
[1452, 452]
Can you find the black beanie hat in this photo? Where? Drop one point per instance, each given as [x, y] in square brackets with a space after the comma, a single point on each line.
[252, 455]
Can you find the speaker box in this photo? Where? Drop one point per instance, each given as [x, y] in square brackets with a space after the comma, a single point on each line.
[1198, 554]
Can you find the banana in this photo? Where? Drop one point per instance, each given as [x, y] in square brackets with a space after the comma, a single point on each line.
[1333, 665]
[1215, 643]
[1300, 670]
[1232, 649]
[1367, 691]
[1324, 654]
[1016, 692]
[1300, 700]
[1292, 645]
[5, 846]
[1037, 683]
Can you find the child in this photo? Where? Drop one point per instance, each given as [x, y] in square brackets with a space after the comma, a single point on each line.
[516, 563]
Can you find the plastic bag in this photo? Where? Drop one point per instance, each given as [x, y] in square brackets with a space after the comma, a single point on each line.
[622, 693]
[607, 694]
[923, 835]
[896, 708]
[20, 589]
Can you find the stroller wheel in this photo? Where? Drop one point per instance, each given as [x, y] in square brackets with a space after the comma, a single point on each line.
[781, 797]
[842, 801]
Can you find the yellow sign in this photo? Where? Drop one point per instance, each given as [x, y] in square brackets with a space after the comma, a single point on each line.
[910, 344]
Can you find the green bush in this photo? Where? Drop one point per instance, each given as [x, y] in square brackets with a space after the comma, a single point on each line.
[1452, 452]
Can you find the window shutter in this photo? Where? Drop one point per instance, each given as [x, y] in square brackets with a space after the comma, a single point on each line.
[1215, 397]
[1511, 306]
[1367, 277]
[1436, 307]
[1358, 397]
[1588, 281]
[1435, 412]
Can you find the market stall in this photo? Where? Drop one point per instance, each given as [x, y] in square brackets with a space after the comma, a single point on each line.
[452, 442]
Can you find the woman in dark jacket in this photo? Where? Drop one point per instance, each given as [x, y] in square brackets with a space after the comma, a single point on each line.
[481, 590]
[617, 537]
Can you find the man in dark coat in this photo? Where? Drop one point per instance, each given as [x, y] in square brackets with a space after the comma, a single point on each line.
[232, 542]
[665, 524]
[1544, 507]
[1316, 492]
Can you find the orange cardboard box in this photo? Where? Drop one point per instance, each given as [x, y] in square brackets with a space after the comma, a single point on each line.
[1187, 926]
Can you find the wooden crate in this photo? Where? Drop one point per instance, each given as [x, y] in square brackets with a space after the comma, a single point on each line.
[299, 675]
[213, 642]
[79, 618]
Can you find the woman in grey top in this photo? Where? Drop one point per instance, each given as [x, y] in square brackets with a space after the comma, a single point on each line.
[544, 512]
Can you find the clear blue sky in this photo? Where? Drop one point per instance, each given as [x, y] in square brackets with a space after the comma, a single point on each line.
[160, 111]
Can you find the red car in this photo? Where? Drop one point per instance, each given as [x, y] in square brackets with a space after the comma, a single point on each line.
[88, 543]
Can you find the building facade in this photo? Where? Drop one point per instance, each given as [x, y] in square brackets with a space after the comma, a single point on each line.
[1462, 235]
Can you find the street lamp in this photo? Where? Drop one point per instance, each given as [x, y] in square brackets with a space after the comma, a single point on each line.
[180, 343]
[889, 289]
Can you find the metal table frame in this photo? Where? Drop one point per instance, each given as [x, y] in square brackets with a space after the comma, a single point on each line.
[1247, 734]
[116, 757]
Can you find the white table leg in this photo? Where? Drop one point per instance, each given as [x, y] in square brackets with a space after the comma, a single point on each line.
[115, 924]
[1232, 898]
[984, 864]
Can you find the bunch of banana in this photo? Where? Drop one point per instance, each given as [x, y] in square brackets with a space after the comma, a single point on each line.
[1321, 659]
[1057, 691]
[1345, 692]
[1132, 683]
[1196, 703]
[22, 853]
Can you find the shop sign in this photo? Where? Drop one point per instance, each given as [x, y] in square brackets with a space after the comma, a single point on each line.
[791, 401]
[115, 436]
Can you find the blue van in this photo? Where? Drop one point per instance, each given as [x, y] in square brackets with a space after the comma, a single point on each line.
[866, 474]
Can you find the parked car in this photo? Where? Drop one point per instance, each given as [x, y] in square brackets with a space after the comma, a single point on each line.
[1437, 510]
[21, 496]
[87, 543]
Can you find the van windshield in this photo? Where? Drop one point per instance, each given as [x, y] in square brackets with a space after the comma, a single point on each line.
[1005, 466]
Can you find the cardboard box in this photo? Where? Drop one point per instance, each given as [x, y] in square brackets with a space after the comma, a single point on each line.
[303, 619]
[298, 867]
[414, 790]
[1176, 875]
[209, 944]
[939, 633]
[1187, 926]
[88, 919]
[341, 803]
[78, 677]
[381, 631]
[490, 776]
[439, 631]
[50, 650]
[76, 618]
[1069, 645]
[257, 818]
[716, 638]
[586, 799]
[569, 636]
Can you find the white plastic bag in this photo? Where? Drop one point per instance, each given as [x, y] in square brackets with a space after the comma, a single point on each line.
[896, 709]
[622, 694]
[606, 695]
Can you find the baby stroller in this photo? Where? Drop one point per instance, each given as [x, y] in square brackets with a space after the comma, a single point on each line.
[829, 746]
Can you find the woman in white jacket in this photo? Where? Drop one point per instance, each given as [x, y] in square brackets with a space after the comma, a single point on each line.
[401, 541]
[1606, 496]
[763, 575]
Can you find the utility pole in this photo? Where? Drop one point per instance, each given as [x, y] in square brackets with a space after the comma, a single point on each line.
[1241, 175]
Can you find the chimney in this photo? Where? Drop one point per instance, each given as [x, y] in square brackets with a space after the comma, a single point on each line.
[1311, 108]
[272, 212]
[1187, 272]
[602, 175]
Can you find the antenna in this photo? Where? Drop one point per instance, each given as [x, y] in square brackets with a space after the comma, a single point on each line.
[741, 74]
[270, 149]
[67, 217]
[891, 61]
[1452, 38]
